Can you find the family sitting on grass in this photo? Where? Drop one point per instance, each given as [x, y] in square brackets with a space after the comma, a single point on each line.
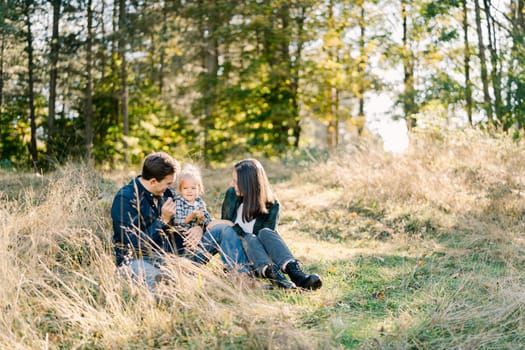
[151, 220]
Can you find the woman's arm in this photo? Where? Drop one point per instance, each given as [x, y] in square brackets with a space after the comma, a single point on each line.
[269, 220]
[216, 222]
[229, 205]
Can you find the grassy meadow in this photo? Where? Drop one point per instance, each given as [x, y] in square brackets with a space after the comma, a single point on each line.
[424, 250]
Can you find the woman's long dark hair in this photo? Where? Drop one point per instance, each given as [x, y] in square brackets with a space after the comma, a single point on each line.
[254, 188]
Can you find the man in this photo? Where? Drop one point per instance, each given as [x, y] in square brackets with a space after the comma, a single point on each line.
[141, 213]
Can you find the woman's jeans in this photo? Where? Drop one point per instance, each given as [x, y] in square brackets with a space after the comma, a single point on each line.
[266, 247]
[224, 240]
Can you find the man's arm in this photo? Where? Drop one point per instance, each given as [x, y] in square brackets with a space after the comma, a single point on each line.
[127, 224]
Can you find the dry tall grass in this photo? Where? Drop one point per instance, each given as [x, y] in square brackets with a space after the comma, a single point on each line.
[456, 201]
[447, 201]
[60, 288]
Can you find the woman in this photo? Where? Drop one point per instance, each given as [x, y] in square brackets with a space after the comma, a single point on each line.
[251, 210]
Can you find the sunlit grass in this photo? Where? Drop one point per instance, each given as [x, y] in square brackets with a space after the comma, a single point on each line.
[423, 250]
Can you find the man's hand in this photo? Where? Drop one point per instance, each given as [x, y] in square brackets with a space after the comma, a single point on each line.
[193, 237]
[168, 210]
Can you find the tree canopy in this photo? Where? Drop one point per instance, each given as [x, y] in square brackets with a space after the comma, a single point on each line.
[110, 81]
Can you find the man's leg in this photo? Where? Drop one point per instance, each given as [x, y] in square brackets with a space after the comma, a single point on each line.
[208, 247]
[144, 271]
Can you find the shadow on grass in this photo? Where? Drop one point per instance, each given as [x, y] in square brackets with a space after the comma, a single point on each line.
[374, 292]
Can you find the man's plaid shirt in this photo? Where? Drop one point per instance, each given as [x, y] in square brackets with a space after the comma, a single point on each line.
[183, 209]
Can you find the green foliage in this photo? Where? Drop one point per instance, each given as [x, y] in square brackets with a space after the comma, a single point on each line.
[106, 126]
[254, 109]
[515, 111]
[229, 78]
[154, 125]
[13, 145]
[436, 8]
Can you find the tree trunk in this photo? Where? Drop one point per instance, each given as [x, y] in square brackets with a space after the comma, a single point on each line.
[2, 49]
[483, 63]
[31, 94]
[409, 104]
[153, 71]
[361, 70]
[210, 55]
[521, 14]
[468, 83]
[53, 74]
[296, 66]
[89, 87]
[289, 90]
[162, 49]
[515, 84]
[333, 124]
[511, 73]
[123, 78]
[114, 38]
[3, 8]
[520, 55]
[495, 74]
[101, 48]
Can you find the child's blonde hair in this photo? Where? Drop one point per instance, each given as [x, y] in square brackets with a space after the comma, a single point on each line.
[190, 172]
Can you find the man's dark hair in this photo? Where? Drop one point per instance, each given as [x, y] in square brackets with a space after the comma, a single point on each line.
[158, 165]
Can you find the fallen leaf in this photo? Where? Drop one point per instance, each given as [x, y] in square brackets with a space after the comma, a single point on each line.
[379, 294]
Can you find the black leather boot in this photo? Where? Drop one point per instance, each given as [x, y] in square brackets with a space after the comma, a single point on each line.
[274, 274]
[302, 279]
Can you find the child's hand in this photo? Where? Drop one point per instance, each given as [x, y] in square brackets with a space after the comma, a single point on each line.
[198, 214]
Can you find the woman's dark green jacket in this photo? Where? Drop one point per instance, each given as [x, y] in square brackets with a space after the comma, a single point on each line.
[229, 212]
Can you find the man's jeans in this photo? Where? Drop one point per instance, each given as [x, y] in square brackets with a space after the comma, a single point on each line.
[266, 247]
[145, 270]
[220, 239]
[224, 240]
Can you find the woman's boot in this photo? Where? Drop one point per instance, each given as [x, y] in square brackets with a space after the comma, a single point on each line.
[274, 274]
[302, 279]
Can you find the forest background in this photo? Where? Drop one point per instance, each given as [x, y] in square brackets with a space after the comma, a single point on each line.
[109, 81]
[420, 250]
